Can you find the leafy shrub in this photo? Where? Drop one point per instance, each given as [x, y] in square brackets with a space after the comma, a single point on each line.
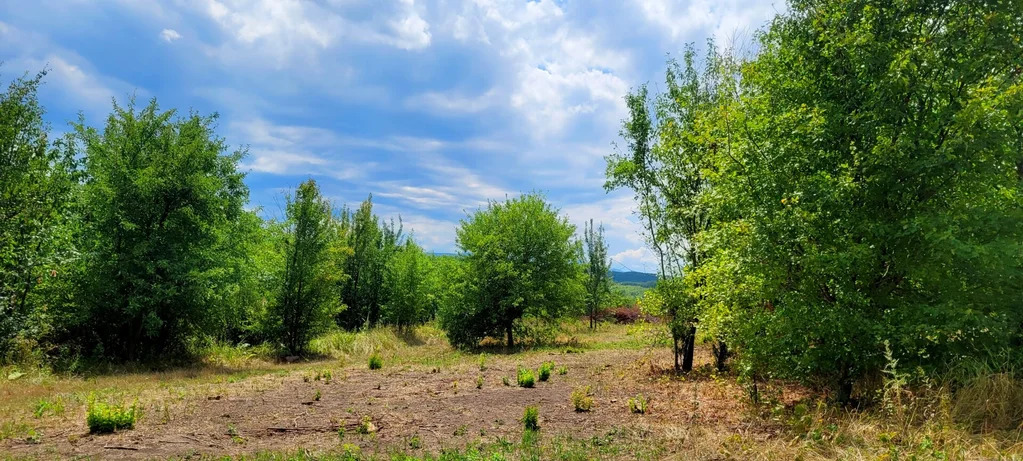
[375, 363]
[562, 371]
[639, 404]
[531, 419]
[545, 370]
[104, 418]
[525, 377]
[581, 399]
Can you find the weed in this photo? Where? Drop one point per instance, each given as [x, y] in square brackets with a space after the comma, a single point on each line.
[415, 442]
[55, 406]
[104, 418]
[479, 382]
[233, 432]
[317, 395]
[375, 363]
[341, 432]
[454, 386]
[482, 361]
[462, 430]
[506, 381]
[581, 399]
[545, 370]
[531, 419]
[525, 378]
[562, 371]
[366, 426]
[639, 404]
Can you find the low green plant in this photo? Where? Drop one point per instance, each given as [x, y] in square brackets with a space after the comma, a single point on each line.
[531, 419]
[375, 363]
[366, 426]
[639, 404]
[44, 405]
[317, 396]
[415, 442]
[562, 371]
[233, 432]
[479, 382]
[341, 432]
[482, 361]
[581, 399]
[525, 378]
[545, 370]
[506, 381]
[104, 418]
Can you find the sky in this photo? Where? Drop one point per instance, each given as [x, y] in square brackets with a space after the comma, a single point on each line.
[434, 107]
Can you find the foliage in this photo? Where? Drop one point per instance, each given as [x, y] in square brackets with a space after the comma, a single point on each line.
[639, 404]
[582, 399]
[105, 418]
[406, 282]
[38, 182]
[597, 273]
[373, 243]
[544, 372]
[375, 362]
[531, 419]
[159, 200]
[867, 185]
[519, 260]
[525, 377]
[308, 298]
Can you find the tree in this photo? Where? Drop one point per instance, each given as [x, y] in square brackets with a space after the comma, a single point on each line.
[373, 243]
[37, 185]
[406, 281]
[308, 298]
[520, 261]
[161, 195]
[598, 271]
[869, 190]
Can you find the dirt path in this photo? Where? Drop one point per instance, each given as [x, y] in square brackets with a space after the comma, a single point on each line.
[414, 408]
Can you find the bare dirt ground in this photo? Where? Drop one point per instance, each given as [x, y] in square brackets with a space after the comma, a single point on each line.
[414, 408]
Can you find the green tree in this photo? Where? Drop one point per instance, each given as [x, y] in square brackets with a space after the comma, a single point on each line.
[598, 271]
[310, 279]
[160, 197]
[520, 260]
[37, 185]
[407, 283]
[868, 189]
[373, 243]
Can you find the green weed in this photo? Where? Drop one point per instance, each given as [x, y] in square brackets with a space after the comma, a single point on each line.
[639, 404]
[525, 378]
[105, 418]
[531, 419]
[375, 363]
[581, 399]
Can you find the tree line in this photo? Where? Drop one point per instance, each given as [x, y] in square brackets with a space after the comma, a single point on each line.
[848, 196]
[132, 242]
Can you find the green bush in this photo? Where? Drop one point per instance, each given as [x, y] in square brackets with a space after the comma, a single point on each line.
[525, 377]
[639, 404]
[531, 419]
[581, 399]
[562, 371]
[545, 370]
[104, 418]
[479, 382]
[375, 363]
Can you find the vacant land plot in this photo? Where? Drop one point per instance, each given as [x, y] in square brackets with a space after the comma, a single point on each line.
[429, 400]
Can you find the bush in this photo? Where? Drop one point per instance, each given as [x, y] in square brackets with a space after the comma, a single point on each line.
[639, 404]
[562, 371]
[525, 377]
[545, 370]
[479, 382]
[104, 418]
[482, 361]
[581, 399]
[375, 363]
[531, 419]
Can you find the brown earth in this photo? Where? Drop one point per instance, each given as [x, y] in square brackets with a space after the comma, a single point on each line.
[441, 407]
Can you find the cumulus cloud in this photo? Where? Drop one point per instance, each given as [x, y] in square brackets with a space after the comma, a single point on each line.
[169, 35]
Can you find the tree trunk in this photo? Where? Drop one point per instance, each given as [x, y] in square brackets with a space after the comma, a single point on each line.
[675, 351]
[720, 355]
[689, 345]
[511, 341]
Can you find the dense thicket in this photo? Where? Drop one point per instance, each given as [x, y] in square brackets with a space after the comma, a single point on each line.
[521, 260]
[863, 171]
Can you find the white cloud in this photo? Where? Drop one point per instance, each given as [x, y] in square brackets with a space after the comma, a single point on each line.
[169, 35]
[637, 259]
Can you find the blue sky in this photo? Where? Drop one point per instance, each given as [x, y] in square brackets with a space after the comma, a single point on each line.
[432, 106]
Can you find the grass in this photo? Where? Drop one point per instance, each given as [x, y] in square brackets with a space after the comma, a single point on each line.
[581, 399]
[531, 419]
[525, 378]
[103, 418]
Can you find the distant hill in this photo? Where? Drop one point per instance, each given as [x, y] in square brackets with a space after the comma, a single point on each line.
[643, 279]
